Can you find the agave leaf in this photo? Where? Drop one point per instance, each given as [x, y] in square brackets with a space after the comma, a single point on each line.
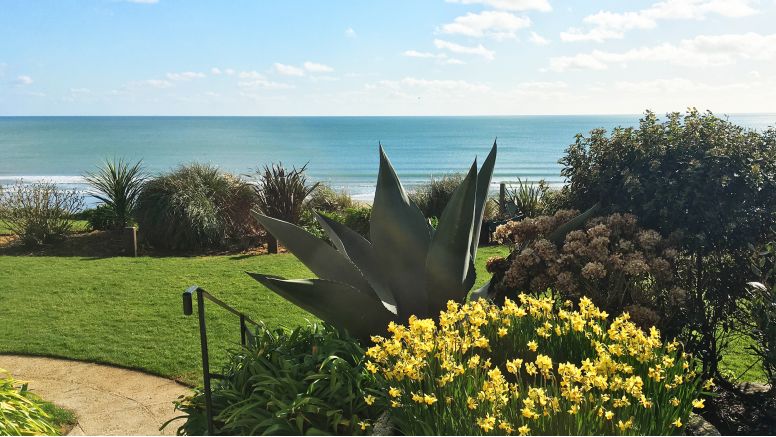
[481, 293]
[332, 302]
[323, 260]
[559, 235]
[483, 186]
[400, 238]
[359, 250]
[448, 259]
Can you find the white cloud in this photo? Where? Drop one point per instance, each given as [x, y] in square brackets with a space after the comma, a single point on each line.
[415, 85]
[254, 79]
[317, 68]
[350, 33]
[428, 55]
[493, 24]
[538, 39]
[510, 5]
[186, 75]
[24, 80]
[454, 61]
[288, 70]
[229, 72]
[215, 71]
[613, 25]
[701, 51]
[479, 50]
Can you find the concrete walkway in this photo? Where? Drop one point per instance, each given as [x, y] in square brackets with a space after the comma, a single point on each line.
[106, 400]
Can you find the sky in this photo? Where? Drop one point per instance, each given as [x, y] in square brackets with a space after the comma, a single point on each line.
[397, 57]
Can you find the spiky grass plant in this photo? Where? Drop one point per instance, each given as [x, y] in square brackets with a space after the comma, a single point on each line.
[195, 207]
[117, 184]
[281, 193]
[526, 198]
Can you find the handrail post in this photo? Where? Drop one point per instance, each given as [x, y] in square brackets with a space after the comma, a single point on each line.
[205, 362]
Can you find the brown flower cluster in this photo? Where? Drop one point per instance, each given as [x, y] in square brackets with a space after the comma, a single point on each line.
[619, 265]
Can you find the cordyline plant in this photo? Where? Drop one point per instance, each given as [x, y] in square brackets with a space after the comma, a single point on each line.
[117, 184]
[405, 268]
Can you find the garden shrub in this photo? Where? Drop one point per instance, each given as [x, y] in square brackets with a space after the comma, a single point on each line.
[100, 218]
[308, 381]
[117, 185]
[759, 320]
[432, 197]
[281, 194]
[195, 207]
[533, 369]
[697, 176]
[21, 413]
[39, 213]
[526, 198]
[324, 198]
[611, 260]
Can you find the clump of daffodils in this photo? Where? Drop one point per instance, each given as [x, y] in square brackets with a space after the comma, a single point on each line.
[533, 368]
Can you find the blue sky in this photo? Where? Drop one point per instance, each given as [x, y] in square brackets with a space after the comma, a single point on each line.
[429, 57]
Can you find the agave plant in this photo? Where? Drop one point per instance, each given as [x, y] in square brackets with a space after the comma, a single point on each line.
[406, 267]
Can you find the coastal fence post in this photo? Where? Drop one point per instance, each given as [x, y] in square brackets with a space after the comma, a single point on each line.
[131, 233]
[502, 198]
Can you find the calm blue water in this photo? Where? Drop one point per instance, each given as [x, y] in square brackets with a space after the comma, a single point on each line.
[340, 150]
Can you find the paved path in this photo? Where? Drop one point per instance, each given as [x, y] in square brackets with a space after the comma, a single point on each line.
[106, 400]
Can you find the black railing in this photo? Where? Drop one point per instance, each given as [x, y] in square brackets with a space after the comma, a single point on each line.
[246, 337]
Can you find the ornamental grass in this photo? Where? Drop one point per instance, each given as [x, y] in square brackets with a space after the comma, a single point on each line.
[533, 368]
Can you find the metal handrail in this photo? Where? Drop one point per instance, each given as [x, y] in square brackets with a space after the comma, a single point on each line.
[245, 337]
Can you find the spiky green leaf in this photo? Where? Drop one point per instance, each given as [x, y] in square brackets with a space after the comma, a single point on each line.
[360, 252]
[323, 260]
[559, 235]
[400, 237]
[333, 302]
[449, 258]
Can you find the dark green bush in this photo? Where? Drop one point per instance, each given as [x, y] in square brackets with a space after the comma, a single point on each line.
[195, 207]
[308, 381]
[759, 321]
[39, 213]
[433, 196]
[707, 182]
[100, 218]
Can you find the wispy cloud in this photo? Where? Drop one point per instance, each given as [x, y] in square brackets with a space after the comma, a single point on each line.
[701, 51]
[288, 70]
[350, 33]
[613, 25]
[426, 55]
[478, 50]
[23, 80]
[314, 67]
[254, 79]
[414, 85]
[538, 39]
[510, 5]
[493, 24]
[186, 75]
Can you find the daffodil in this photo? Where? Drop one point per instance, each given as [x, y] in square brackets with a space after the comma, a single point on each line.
[369, 399]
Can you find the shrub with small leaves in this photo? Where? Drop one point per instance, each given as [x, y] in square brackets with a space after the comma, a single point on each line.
[39, 213]
[611, 260]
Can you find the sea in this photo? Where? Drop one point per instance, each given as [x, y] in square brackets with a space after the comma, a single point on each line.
[339, 151]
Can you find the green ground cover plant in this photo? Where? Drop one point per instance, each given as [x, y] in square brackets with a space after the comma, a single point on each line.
[307, 381]
[22, 413]
[127, 311]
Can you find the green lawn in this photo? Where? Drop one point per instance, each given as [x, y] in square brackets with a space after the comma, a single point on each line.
[128, 311]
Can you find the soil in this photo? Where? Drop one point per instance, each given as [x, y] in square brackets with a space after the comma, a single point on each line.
[748, 409]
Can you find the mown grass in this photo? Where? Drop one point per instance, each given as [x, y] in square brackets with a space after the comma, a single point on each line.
[63, 419]
[128, 311]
